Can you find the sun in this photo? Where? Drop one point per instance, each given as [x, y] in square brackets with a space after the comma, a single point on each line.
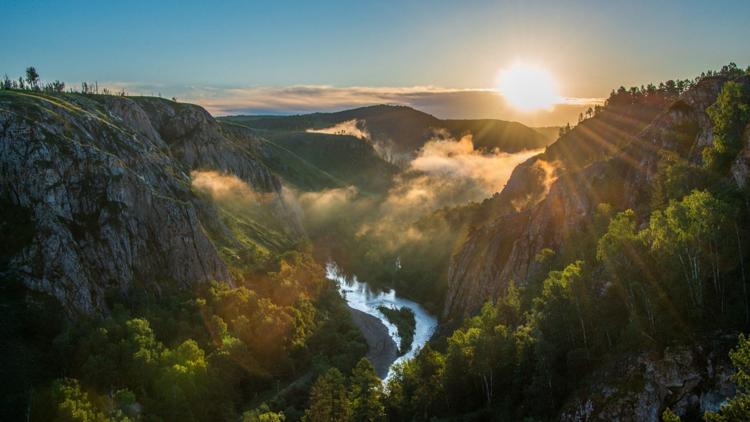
[527, 87]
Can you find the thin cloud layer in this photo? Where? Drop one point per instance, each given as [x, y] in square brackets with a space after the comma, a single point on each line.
[444, 103]
[352, 127]
[445, 173]
[441, 102]
[449, 172]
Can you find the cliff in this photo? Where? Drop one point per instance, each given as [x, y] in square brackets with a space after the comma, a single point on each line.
[552, 198]
[688, 380]
[101, 185]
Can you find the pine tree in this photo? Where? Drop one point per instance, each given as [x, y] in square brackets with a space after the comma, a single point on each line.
[328, 399]
[366, 394]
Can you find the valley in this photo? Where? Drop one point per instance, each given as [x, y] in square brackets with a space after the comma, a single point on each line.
[359, 297]
[160, 263]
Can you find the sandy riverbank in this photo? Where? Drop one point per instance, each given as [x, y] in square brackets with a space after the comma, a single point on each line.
[383, 351]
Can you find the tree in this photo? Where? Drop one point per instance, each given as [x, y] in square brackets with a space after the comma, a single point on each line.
[72, 404]
[738, 407]
[415, 391]
[32, 78]
[692, 231]
[328, 399]
[669, 416]
[366, 393]
[729, 114]
[675, 178]
[263, 414]
[619, 249]
[561, 309]
[483, 351]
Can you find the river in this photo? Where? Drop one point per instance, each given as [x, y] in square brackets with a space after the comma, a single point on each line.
[359, 296]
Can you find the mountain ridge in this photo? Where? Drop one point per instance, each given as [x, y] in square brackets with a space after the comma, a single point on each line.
[402, 130]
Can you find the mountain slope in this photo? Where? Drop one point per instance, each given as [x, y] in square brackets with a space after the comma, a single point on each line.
[553, 197]
[402, 130]
[105, 184]
[317, 161]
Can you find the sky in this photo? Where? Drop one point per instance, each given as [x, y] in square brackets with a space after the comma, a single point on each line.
[287, 57]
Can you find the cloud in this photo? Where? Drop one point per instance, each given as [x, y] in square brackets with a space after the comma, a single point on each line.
[445, 103]
[231, 191]
[441, 102]
[352, 127]
[327, 201]
[445, 173]
[449, 172]
[223, 187]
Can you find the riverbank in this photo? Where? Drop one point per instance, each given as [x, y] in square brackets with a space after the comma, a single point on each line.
[382, 350]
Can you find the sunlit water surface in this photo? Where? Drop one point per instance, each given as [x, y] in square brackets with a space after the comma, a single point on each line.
[359, 296]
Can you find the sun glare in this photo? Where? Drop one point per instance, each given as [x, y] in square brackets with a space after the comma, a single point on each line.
[527, 87]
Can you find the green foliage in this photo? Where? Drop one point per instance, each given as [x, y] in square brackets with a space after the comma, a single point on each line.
[416, 389]
[692, 232]
[737, 408]
[72, 404]
[521, 358]
[669, 416]
[366, 393]
[199, 359]
[405, 323]
[32, 77]
[675, 178]
[730, 114]
[328, 399]
[263, 414]
[482, 352]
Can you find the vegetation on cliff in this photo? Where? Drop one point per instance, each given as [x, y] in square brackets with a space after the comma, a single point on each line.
[403, 319]
[639, 279]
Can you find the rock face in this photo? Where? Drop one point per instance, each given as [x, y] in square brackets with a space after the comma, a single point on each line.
[610, 158]
[194, 138]
[639, 388]
[104, 181]
[382, 350]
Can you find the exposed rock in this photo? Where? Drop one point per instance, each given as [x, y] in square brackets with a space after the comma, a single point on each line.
[617, 170]
[690, 381]
[195, 140]
[382, 350]
[741, 166]
[106, 181]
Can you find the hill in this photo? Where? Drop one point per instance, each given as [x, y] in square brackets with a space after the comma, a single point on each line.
[317, 161]
[399, 131]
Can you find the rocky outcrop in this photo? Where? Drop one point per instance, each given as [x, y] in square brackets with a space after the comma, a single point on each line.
[195, 139]
[690, 381]
[105, 181]
[382, 351]
[589, 169]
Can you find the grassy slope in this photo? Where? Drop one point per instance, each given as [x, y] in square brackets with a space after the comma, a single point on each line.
[313, 161]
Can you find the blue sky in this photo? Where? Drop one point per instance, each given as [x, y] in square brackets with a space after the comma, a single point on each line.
[197, 49]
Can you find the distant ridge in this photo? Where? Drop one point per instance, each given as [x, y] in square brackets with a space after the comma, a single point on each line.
[406, 129]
